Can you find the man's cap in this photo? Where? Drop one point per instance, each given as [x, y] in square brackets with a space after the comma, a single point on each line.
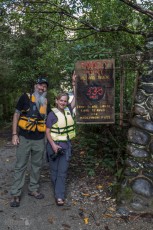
[42, 80]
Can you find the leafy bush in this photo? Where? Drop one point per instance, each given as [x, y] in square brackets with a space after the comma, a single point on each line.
[103, 146]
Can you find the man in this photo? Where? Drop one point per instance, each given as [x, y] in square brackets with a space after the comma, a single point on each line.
[28, 134]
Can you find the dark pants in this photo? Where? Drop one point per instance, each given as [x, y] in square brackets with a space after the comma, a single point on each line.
[58, 170]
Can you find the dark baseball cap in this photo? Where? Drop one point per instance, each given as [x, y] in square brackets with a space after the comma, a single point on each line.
[42, 80]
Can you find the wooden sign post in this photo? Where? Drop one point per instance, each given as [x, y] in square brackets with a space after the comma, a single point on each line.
[95, 94]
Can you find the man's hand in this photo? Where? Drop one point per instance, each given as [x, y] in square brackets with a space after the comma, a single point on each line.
[15, 139]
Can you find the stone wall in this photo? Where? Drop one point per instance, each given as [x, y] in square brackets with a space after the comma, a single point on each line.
[137, 187]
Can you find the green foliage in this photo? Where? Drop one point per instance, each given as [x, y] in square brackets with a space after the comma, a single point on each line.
[103, 146]
[49, 37]
[41, 38]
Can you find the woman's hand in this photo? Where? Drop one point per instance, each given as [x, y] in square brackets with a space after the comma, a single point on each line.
[55, 147]
[73, 78]
[74, 91]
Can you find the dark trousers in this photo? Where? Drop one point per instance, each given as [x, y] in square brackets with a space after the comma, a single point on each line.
[58, 170]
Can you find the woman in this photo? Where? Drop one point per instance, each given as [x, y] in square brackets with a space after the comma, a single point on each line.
[59, 131]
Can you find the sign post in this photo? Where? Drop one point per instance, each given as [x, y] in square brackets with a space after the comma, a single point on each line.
[95, 94]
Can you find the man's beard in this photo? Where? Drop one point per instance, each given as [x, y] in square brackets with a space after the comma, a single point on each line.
[40, 98]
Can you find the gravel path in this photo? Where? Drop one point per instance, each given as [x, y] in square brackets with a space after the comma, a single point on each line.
[89, 204]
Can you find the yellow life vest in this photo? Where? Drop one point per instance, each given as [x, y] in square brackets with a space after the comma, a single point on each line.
[63, 129]
[33, 118]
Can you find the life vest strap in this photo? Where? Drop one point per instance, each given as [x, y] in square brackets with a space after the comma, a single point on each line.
[31, 124]
[67, 127]
[66, 131]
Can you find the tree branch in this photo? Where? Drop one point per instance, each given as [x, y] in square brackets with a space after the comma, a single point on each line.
[138, 8]
[87, 26]
[66, 14]
[65, 27]
[108, 29]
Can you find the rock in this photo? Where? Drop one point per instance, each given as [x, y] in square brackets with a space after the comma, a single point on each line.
[140, 110]
[149, 102]
[146, 78]
[143, 187]
[140, 96]
[142, 123]
[137, 152]
[138, 204]
[138, 136]
[123, 211]
[151, 147]
[131, 163]
[148, 165]
[147, 87]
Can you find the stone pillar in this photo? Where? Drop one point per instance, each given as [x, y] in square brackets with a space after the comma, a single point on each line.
[137, 187]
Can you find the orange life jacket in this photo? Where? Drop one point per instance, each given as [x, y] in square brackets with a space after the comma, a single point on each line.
[33, 118]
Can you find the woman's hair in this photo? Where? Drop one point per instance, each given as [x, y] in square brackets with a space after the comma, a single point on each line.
[61, 95]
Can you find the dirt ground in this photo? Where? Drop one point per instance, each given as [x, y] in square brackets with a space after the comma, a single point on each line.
[89, 204]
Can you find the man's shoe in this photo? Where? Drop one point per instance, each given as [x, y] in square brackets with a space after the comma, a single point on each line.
[15, 201]
[36, 195]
